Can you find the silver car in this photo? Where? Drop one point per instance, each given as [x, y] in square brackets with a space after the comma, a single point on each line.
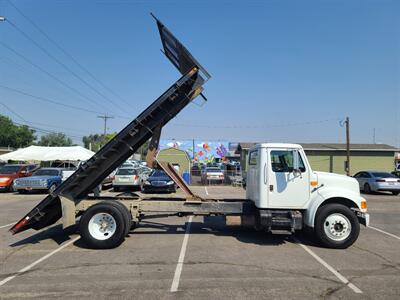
[127, 178]
[378, 181]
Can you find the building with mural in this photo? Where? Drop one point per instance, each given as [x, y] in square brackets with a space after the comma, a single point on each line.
[199, 151]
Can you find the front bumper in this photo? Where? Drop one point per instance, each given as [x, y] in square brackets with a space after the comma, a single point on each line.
[126, 184]
[363, 217]
[30, 188]
[158, 189]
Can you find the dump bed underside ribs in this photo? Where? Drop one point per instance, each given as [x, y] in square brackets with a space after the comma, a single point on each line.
[91, 173]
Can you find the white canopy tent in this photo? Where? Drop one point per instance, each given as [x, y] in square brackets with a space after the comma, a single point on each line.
[39, 153]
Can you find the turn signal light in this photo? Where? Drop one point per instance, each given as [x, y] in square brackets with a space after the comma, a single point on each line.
[363, 204]
[314, 182]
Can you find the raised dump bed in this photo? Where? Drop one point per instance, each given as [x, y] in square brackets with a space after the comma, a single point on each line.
[91, 173]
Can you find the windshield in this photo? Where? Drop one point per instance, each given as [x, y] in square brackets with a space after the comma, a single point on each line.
[126, 172]
[383, 175]
[9, 169]
[46, 172]
[158, 173]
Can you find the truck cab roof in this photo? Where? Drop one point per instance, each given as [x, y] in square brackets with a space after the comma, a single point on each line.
[277, 145]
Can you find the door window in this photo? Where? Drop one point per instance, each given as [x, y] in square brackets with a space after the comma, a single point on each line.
[282, 161]
[253, 157]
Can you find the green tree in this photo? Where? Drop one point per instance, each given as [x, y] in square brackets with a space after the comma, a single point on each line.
[57, 139]
[15, 136]
[96, 141]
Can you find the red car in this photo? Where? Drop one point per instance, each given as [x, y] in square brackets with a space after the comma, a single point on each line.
[10, 172]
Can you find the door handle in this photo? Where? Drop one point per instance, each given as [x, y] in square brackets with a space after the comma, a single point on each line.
[265, 173]
[271, 187]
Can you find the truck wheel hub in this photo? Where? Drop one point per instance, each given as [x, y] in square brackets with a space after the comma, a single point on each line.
[337, 227]
[102, 226]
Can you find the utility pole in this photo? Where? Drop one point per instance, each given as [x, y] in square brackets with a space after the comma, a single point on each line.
[374, 136]
[193, 151]
[105, 117]
[347, 122]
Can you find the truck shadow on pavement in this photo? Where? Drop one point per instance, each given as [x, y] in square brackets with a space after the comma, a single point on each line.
[211, 225]
[55, 233]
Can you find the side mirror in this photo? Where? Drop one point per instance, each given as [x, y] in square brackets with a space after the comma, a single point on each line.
[296, 162]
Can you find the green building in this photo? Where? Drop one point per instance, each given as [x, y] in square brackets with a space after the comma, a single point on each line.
[178, 158]
[332, 157]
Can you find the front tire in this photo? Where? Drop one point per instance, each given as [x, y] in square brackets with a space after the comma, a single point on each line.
[102, 226]
[336, 226]
[395, 193]
[367, 189]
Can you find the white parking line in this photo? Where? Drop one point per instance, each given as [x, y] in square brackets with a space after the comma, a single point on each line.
[179, 266]
[330, 268]
[206, 190]
[7, 225]
[27, 268]
[384, 232]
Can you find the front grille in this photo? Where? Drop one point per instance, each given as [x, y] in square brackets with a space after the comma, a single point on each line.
[158, 183]
[29, 183]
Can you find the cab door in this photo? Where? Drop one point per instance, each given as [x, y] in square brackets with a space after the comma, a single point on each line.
[287, 187]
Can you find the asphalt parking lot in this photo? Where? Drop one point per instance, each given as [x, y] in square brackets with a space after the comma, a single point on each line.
[171, 258]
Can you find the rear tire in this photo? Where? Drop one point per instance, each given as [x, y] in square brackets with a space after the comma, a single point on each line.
[395, 193]
[102, 226]
[127, 215]
[336, 226]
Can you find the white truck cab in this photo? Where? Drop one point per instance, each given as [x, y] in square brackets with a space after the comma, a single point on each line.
[280, 181]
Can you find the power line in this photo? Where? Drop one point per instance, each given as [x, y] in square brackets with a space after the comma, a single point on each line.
[43, 99]
[13, 112]
[30, 122]
[66, 53]
[48, 73]
[254, 126]
[68, 69]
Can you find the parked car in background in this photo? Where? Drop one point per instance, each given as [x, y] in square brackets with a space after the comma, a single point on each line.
[396, 173]
[8, 173]
[212, 174]
[377, 181]
[127, 178]
[44, 179]
[158, 182]
[196, 170]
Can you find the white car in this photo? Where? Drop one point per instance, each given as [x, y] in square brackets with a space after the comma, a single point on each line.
[212, 174]
[127, 178]
[378, 181]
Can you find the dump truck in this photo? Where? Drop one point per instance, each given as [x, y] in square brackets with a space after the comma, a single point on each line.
[283, 193]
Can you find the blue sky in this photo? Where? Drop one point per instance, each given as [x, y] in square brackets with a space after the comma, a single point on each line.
[282, 71]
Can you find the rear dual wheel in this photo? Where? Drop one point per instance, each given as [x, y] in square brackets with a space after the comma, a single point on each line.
[105, 225]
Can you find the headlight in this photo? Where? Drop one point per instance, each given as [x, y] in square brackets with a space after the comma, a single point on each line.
[43, 182]
[147, 182]
[16, 181]
[170, 182]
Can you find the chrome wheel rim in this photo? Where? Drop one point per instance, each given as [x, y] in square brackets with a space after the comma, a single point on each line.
[337, 227]
[102, 226]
